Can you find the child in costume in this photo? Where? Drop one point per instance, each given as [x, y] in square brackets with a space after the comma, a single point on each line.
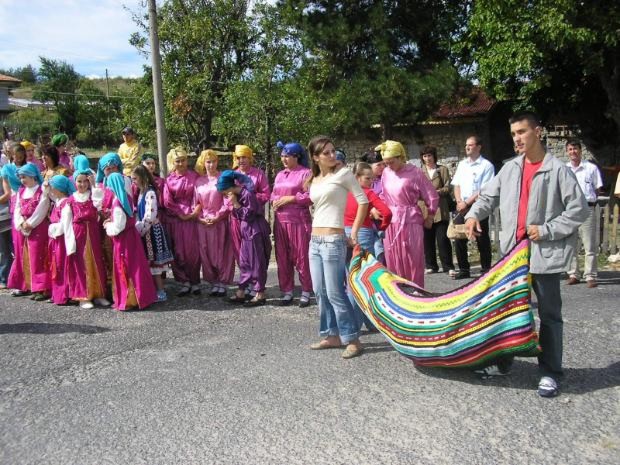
[255, 247]
[132, 284]
[61, 237]
[156, 246]
[29, 272]
[85, 267]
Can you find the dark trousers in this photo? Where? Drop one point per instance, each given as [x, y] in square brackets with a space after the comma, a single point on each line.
[437, 235]
[484, 246]
[6, 255]
[547, 290]
[550, 334]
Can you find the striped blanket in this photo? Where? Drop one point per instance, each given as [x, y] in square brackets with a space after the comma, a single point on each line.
[469, 326]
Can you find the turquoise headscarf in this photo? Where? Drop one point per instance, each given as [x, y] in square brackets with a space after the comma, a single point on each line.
[63, 184]
[9, 172]
[32, 171]
[109, 159]
[116, 183]
[81, 165]
[231, 178]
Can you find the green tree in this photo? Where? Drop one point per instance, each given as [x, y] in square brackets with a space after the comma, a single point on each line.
[205, 46]
[31, 123]
[59, 83]
[561, 57]
[387, 61]
[274, 100]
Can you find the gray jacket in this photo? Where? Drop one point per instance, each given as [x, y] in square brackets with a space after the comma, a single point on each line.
[556, 204]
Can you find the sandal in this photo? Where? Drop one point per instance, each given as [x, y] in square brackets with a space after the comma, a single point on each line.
[323, 345]
[352, 351]
[235, 299]
[255, 302]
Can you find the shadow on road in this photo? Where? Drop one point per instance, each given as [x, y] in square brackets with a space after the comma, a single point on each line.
[50, 328]
[524, 375]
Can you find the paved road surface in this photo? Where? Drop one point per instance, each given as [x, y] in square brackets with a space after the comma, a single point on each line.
[198, 381]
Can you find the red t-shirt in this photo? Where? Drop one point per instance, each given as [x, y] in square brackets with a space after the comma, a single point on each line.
[529, 170]
[350, 210]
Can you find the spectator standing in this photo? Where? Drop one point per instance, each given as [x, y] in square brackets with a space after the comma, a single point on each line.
[471, 175]
[589, 179]
[439, 176]
[60, 142]
[130, 151]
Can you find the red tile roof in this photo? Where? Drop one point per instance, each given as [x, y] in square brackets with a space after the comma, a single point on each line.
[9, 79]
[474, 102]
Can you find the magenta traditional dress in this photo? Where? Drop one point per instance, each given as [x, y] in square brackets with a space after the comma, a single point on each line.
[179, 200]
[58, 253]
[216, 255]
[292, 229]
[30, 268]
[132, 283]
[262, 192]
[404, 237]
[86, 267]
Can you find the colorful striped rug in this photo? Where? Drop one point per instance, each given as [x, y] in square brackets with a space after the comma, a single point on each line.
[469, 326]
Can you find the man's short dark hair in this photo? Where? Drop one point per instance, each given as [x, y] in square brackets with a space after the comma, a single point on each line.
[532, 118]
[476, 138]
[574, 142]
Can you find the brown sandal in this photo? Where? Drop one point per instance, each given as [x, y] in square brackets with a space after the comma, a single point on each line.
[323, 344]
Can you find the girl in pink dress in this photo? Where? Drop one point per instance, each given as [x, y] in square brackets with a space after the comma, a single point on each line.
[29, 272]
[293, 223]
[216, 255]
[61, 237]
[402, 186]
[132, 284]
[182, 214]
[85, 267]
[243, 159]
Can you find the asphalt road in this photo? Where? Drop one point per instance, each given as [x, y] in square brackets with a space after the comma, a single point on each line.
[198, 381]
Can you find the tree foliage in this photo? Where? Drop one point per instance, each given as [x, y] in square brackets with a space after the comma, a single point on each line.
[387, 61]
[27, 74]
[559, 56]
[204, 46]
[59, 84]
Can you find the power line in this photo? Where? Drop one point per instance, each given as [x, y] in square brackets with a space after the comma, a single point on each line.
[102, 96]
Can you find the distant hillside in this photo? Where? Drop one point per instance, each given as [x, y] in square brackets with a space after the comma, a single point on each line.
[118, 85]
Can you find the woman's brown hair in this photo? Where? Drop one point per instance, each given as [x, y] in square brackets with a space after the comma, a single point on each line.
[430, 150]
[315, 148]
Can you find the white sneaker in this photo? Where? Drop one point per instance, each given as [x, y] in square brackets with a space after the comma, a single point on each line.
[86, 305]
[548, 387]
[102, 302]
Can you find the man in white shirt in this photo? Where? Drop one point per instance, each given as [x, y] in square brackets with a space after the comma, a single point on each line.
[471, 175]
[589, 179]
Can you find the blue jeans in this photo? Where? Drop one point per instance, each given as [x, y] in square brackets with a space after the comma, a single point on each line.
[6, 259]
[366, 238]
[327, 267]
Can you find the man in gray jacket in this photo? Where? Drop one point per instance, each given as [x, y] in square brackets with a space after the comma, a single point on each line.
[551, 206]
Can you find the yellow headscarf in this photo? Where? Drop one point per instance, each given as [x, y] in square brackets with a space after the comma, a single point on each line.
[242, 151]
[175, 153]
[204, 156]
[27, 144]
[392, 149]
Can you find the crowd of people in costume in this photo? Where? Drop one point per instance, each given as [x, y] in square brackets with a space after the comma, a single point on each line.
[110, 237]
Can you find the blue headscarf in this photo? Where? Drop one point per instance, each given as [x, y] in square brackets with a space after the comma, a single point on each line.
[231, 178]
[81, 165]
[294, 149]
[116, 182]
[9, 172]
[63, 184]
[109, 159]
[32, 171]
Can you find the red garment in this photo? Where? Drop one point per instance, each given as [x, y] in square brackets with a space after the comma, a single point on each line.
[529, 170]
[373, 201]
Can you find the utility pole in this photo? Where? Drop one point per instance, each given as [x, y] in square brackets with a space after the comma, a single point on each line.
[158, 96]
[107, 100]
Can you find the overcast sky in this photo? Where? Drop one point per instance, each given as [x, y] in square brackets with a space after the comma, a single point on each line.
[92, 35]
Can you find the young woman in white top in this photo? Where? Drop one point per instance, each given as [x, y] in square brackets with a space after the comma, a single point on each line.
[329, 186]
